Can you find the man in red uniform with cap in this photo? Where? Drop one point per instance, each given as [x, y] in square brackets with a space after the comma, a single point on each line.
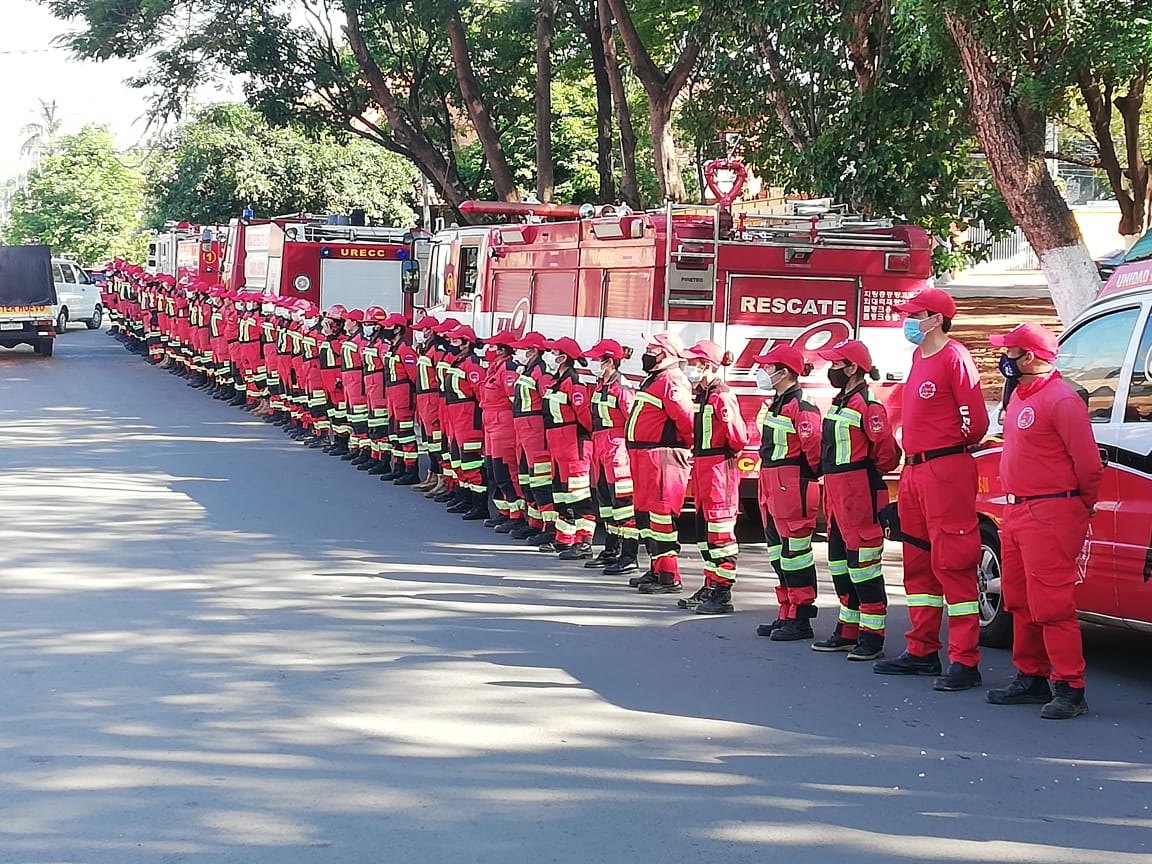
[534, 464]
[1045, 523]
[943, 416]
[568, 431]
[500, 434]
[429, 354]
[400, 389]
[660, 434]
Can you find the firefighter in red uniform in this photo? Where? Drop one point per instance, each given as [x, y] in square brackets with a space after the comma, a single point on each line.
[943, 416]
[659, 444]
[533, 463]
[789, 489]
[612, 401]
[316, 421]
[1045, 523]
[463, 382]
[428, 354]
[719, 437]
[234, 384]
[352, 374]
[400, 389]
[372, 354]
[500, 434]
[568, 433]
[332, 337]
[857, 449]
[454, 494]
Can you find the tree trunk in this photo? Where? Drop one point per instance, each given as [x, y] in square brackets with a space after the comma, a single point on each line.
[408, 136]
[662, 88]
[629, 186]
[478, 111]
[858, 17]
[545, 174]
[1023, 180]
[1098, 100]
[1129, 107]
[591, 29]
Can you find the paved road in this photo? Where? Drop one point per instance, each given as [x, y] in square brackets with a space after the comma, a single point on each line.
[216, 646]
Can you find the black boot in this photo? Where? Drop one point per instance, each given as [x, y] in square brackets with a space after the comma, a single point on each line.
[410, 477]
[340, 447]
[958, 677]
[498, 519]
[1023, 690]
[479, 508]
[836, 642]
[869, 647]
[461, 501]
[446, 496]
[508, 527]
[701, 596]
[798, 628]
[610, 554]
[665, 583]
[909, 664]
[1067, 702]
[576, 552]
[646, 576]
[393, 470]
[626, 562]
[522, 531]
[352, 454]
[379, 467]
[720, 603]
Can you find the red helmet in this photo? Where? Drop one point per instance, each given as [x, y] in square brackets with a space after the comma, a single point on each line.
[336, 311]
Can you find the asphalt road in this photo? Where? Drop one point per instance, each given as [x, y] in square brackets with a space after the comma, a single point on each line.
[216, 646]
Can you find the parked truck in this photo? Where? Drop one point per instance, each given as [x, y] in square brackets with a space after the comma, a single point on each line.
[27, 298]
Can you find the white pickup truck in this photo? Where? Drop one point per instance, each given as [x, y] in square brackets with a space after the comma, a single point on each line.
[28, 299]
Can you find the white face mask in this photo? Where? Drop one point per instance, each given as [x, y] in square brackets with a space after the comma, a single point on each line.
[765, 380]
[311, 322]
[694, 374]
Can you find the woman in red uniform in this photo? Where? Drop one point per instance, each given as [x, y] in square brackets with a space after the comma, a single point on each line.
[533, 463]
[659, 435]
[372, 356]
[568, 431]
[719, 436]
[500, 434]
[789, 490]
[463, 380]
[857, 449]
[612, 401]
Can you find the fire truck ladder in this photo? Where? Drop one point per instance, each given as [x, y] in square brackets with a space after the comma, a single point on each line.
[690, 264]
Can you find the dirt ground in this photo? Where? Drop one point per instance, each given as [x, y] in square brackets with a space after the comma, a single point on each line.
[977, 317]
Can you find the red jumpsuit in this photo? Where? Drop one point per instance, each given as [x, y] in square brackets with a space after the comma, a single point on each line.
[270, 337]
[857, 449]
[316, 418]
[373, 355]
[532, 460]
[612, 474]
[463, 380]
[659, 441]
[248, 352]
[330, 374]
[789, 494]
[292, 370]
[400, 391]
[719, 436]
[231, 330]
[352, 374]
[428, 401]
[1047, 428]
[943, 413]
[568, 434]
[450, 464]
[500, 437]
[219, 343]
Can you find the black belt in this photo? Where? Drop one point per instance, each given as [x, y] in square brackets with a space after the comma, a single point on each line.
[929, 455]
[1024, 499]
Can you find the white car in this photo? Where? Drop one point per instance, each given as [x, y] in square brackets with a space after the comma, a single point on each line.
[78, 297]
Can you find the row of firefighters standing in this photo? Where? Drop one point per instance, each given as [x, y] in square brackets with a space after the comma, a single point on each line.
[552, 453]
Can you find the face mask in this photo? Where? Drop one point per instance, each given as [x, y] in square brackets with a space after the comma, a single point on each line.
[311, 322]
[765, 380]
[607, 367]
[694, 374]
[838, 378]
[1010, 366]
[648, 362]
[369, 329]
[912, 331]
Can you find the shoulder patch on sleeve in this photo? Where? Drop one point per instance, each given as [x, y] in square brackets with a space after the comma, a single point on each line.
[474, 376]
[876, 423]
[577, 397]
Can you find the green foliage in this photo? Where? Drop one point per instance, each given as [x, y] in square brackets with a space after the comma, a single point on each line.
[80, 200]
[228, 158]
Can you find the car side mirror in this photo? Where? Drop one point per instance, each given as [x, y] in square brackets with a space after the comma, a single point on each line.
[410, 277]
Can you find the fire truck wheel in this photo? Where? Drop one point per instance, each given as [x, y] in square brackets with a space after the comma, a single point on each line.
[995, 623]
[96, 320]
[62, 321]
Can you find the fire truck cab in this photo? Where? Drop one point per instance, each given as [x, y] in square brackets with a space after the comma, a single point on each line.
[325, 260]
[187, 252]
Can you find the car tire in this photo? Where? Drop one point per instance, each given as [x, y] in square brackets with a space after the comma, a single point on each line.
[44, 349]
[995, 622]
[96, 320]
[62, 321]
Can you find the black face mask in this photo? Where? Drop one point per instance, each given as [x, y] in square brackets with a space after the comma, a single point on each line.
[648, 362]
[1010, 366]
[839, 378]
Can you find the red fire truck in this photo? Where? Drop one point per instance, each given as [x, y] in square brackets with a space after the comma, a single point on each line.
[320, 260]
[187, 252]
[808, 276]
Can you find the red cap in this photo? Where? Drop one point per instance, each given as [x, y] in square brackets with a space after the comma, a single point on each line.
[463, 333]
[504, 337]
[395, 320]
[445, 326]
[783, 355]
[666, 340]
[708, 350]
[425, 323]
[532, 341]
[932, 300]
[1029, 337]
[354, 315]
[605, 348]
[851, 350]
[567, 346]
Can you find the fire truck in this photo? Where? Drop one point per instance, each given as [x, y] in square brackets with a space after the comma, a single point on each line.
[325, 260]
[187, 252]
[809, 275]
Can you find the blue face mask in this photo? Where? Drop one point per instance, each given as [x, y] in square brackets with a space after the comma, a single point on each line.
[1010, 366]
[912, 331]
